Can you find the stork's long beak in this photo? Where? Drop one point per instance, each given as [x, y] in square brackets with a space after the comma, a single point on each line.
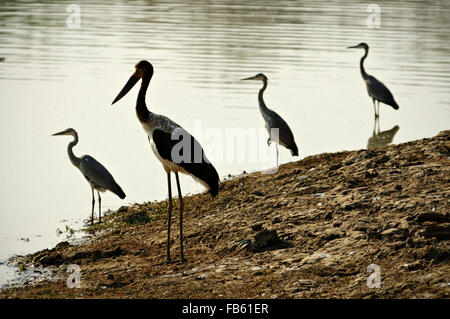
[128, 86]
[250, 78]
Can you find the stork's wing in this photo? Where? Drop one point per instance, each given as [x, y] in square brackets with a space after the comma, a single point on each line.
[97, 174]
[380, 92]
[286, 138]
[183, 149]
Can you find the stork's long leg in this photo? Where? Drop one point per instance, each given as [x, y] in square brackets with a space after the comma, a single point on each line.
[99, 207]
[180, 197]
[169, 218]
[93, 204]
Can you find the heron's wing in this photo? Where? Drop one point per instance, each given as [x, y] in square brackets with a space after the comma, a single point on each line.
[379, 91]
[97, 174]
[285, 136]
[183, 149]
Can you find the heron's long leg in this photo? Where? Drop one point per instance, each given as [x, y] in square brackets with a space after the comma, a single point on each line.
[378, 109]
[169, 218]
[378, 126]
[93, 204]
[99, 207]
[374, 127]
[180, 197]
[374, 108]
[276, 145]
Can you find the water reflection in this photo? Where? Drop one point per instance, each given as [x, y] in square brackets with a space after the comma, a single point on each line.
[381, 138]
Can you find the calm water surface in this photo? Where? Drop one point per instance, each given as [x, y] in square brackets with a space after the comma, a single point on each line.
[54, 77]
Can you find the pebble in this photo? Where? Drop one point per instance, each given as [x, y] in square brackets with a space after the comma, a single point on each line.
[389, 232]
[332, 233]
[305, 282]
[413, 266]
[293, 268]
[315, 258]
[171, 275]
[425, 278]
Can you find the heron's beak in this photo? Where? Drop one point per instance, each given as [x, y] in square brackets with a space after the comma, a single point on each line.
[60, 133]
[131, 82]
[353, 47]
[250, 78]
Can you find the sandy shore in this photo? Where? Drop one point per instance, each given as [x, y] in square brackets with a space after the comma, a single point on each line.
[309, 231]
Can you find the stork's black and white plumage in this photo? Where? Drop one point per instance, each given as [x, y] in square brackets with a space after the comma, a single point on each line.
[277, 128]
[95, 173]
[376, 90]
[173, 146]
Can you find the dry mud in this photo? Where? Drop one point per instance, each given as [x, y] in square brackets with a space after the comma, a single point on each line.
[308, 231]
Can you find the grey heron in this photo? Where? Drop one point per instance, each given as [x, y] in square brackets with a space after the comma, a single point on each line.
[277, 128]
[164, 137]
[95, 173]
[376, 90]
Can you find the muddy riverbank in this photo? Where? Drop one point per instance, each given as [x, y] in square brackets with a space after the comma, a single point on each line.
[309, 231]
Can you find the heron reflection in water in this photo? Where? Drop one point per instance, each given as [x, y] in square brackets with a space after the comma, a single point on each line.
[381, 138]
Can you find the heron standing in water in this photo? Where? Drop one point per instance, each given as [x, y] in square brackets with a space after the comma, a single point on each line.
[164, 137]
[376, 90]
[95, 173]
[277, 128]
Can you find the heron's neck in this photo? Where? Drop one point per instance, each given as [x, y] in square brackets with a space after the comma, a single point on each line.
[361, 64]
[262, 106]
[75, 160]
[141, 108]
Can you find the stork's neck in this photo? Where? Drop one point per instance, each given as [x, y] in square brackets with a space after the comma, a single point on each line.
[141, 108]
[75, 160]
[262, 106]
[361, 64]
